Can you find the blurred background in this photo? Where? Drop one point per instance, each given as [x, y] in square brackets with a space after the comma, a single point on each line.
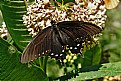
[111, 38]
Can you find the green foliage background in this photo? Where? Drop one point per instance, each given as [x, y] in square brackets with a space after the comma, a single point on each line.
[92, 65]
[111, 39]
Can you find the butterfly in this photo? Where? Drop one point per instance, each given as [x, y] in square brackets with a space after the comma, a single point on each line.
[55, 39]
[110, 4]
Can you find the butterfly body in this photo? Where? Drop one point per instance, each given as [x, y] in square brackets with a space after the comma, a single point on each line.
[54, 40]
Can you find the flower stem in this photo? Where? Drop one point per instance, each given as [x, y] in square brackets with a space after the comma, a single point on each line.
[43, 63]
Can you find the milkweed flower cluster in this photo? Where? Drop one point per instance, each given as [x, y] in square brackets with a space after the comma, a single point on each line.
[93, 11]
[41, 13]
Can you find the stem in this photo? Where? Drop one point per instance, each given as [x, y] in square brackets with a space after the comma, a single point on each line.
[41, 62]
[26, 4]
[38, 67]
[45, 63]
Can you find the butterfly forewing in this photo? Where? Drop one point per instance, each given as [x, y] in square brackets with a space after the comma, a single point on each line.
[39, 45]
[79, 29]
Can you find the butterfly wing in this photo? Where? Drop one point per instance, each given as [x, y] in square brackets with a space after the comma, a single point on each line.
[57, 48]
[110, 4]
[78, 32]
[45, 42]
[38, 46]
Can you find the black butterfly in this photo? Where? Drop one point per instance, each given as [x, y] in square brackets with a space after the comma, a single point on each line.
[54, 40]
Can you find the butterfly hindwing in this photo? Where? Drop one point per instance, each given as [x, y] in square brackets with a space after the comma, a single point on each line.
[79, 32]
[56, 47]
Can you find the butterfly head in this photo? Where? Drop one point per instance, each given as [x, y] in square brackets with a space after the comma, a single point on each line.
[54, 24]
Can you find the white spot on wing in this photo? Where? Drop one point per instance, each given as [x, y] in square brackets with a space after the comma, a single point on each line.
[71, 47]
[39, 54]
[75, 48]
[52, 53]
[46, 50]
[43, 53]
[62, 50]
[56, 55]
[61, 54]
[78, 44]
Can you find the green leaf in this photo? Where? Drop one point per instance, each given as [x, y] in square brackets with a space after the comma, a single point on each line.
[92, 56]
[109, 69]
[13, 12]
[12, 70]
[1, 2]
